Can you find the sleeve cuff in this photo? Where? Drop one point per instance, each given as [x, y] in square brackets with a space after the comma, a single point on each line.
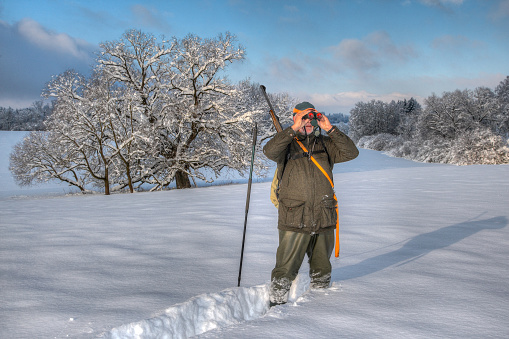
[289, 131]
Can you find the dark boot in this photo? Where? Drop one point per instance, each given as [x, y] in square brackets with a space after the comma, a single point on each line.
[279, 289]
[272, 304]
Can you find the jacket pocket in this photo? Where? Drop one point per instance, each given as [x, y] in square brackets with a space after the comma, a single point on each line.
[291, 212]
[329, 214]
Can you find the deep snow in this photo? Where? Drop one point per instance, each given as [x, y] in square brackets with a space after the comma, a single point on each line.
[424, 251]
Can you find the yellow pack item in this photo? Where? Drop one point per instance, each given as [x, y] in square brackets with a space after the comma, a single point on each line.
[273, 190]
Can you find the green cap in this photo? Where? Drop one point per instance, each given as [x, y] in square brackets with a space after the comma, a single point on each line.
[303, 105]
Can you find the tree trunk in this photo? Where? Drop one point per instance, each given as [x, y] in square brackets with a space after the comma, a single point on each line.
[106, 182]
[129, 179]
[182, 180]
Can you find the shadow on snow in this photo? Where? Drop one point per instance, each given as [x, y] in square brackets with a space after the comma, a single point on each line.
[417, 247]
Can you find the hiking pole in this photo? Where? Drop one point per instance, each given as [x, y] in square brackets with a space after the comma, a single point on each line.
[255, 132]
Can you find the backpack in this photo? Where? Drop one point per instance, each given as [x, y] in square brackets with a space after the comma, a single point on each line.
[278, 174]
[274, 190]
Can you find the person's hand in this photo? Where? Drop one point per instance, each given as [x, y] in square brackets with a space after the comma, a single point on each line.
[324, 123]
[298, 122]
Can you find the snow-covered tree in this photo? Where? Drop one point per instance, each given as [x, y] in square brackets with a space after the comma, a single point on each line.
[373, 118]
[155, 112]
[458, 112]
[253, 99]
[446, 116]
[80, 122]
[25, 119]
[203, 119]
[409, 113]
[484, 107]
[460, 127]
[502, 117]
[185, 101]
[87, 132]
[41, 157]
[64, 152]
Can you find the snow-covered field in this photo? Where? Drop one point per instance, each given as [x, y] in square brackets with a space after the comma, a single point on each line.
[424, 254]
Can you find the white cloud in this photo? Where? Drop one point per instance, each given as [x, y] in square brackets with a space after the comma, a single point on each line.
[356, 54]
[344, 101]
[490, 80]
[418, 88]
[286, 68]
[456, 43]
[30, 55]
[387, 49]
[441, 3]
[444, 5]
[501, 10]
[33, 32]
[371, 52]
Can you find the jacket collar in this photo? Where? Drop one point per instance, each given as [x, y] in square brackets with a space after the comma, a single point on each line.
[302, 137]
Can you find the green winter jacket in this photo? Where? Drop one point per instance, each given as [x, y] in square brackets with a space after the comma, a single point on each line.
[306, 198]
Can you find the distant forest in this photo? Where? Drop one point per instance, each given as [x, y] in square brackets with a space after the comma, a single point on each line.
[462, 127]
[32, 118]
[336, 118]
[25, 119]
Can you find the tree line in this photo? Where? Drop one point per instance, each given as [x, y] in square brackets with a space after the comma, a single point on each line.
[32, 118]
[461, 127]
[25, 119]
[153, 112]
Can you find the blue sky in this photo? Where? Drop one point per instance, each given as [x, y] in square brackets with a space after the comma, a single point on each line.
[332, 53]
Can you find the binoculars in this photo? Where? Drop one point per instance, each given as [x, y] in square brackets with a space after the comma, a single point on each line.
[313, 116]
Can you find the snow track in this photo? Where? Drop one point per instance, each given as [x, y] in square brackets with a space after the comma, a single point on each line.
[207, 312]
[200, 314]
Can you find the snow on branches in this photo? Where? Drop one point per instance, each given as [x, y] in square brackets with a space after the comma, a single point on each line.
[460, 127]
[153, 112]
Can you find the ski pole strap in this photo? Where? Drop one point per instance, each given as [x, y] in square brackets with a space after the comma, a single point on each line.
[332, 185]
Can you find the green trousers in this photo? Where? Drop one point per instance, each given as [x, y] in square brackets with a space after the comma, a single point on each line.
[293, 246]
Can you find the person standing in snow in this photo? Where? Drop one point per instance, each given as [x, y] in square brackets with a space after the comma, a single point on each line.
[307, 208]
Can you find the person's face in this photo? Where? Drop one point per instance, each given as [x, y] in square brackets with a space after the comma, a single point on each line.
[308, 128]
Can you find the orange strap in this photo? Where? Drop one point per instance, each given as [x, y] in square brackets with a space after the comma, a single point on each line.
[332, 185]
